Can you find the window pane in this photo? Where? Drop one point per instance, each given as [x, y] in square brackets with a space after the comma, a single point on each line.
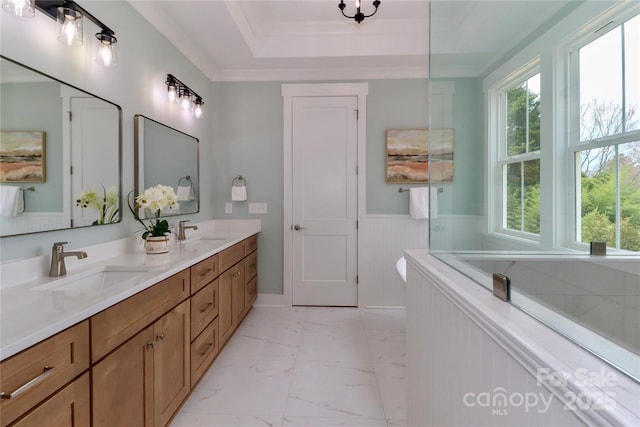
[533, 107]
[598, 195]
[514, 197]
[517, 120]
[629, 167]
[601, 87]
[531, 190]
[632, 71]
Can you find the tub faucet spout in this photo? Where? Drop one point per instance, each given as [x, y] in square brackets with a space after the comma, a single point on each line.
[58, 255]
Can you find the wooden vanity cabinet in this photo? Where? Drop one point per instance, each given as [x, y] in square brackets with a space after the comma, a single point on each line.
[144, 381]
[204, 329]
[113, 326]
[42, 370]
[134, 363]
[69, 407]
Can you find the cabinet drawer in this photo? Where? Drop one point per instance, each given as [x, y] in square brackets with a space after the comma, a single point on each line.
[118, 323]
[46, 367]
[251, 293]
[250, 266]
[203, 351]
[250, 244]
[69, 407]
[231, 255]
[204, 308]
[203, 273]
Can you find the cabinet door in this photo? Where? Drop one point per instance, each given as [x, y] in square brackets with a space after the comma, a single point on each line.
[171, 362]
[123, 383]
[225, 319]
[69, 407]
[238, 291]
[41, 370]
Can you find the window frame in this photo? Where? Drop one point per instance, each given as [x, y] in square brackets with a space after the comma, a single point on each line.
[571, 49]
[498, 144]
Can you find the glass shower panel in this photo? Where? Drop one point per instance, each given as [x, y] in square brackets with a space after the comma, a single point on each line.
[519, 134]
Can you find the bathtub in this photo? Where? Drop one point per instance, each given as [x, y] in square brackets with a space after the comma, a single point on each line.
[593, 300]
[476, 360]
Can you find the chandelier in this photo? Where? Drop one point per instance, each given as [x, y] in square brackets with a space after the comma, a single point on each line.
[359, 16]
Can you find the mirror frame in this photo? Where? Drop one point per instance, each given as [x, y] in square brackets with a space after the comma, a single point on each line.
[119, 110]
[138, 160]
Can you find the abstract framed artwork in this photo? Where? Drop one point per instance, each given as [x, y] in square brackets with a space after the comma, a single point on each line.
[409, 155]
[22, 156]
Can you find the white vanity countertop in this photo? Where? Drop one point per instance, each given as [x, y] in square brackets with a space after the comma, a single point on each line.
[29, 316]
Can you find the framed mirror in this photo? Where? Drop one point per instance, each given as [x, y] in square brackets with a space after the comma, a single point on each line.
[167, 156]
[60, 154]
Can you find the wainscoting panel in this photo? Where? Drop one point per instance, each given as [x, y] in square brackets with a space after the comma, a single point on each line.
[459, 375]
[383, 238]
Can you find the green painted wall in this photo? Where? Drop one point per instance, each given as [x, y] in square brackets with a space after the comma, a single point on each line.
[247, 122]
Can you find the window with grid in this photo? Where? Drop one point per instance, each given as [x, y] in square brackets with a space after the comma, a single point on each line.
[519, 156]
[606, 149]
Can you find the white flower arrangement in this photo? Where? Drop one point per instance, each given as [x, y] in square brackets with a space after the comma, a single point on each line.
[106, 204]
[154, 200]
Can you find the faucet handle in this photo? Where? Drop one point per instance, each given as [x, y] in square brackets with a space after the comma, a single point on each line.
[184, 221]
[59, 245]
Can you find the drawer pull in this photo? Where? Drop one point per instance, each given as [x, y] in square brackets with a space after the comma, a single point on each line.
[206, 349]
[160, 337]
[206, 307]
[207, 271]
[48, 370]
[152, 344]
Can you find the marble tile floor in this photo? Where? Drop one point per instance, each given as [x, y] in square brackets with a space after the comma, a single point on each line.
[306, 366]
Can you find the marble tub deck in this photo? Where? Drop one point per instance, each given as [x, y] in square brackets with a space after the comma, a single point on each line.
[306, 367]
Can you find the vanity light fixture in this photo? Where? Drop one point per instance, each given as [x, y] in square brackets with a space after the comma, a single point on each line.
[197, 110]
[20, 8]
[69, 15]
[180, 93]
[359, 16]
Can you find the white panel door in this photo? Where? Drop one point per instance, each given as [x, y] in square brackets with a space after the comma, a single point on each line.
[324, 206]
[94, 152]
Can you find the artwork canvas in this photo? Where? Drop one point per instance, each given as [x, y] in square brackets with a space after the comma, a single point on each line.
[22, 156]
[409, 154]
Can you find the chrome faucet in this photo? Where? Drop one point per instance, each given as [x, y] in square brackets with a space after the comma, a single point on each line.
[58, 255]
[182, 227]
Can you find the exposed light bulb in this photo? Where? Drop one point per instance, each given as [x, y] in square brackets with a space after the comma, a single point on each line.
[69, 26]
[105, 55]
[70, 32]
[20, 8]
[172, 94]
[185, 99]
[197, 111]
[357, 4]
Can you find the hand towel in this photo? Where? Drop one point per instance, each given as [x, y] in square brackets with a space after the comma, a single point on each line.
[419, 202]
[238, 193]
[185, 193]
[11, 200]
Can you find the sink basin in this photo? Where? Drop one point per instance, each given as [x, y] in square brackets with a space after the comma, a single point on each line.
[95, 280]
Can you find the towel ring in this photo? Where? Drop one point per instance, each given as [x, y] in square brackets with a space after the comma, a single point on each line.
[185, 178]
[239, 178]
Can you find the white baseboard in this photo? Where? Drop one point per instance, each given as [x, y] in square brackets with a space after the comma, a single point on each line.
[272, 300]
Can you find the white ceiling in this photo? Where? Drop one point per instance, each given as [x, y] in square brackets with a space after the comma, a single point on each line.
[244, 40]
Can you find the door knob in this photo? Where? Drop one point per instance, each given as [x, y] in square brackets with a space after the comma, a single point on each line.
[298, 228]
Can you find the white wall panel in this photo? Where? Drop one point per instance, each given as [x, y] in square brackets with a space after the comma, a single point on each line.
[385, 237]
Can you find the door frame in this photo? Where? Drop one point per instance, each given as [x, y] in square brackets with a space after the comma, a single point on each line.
[290, 91]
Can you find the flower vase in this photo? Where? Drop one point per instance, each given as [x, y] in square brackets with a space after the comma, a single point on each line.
[156, 244]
